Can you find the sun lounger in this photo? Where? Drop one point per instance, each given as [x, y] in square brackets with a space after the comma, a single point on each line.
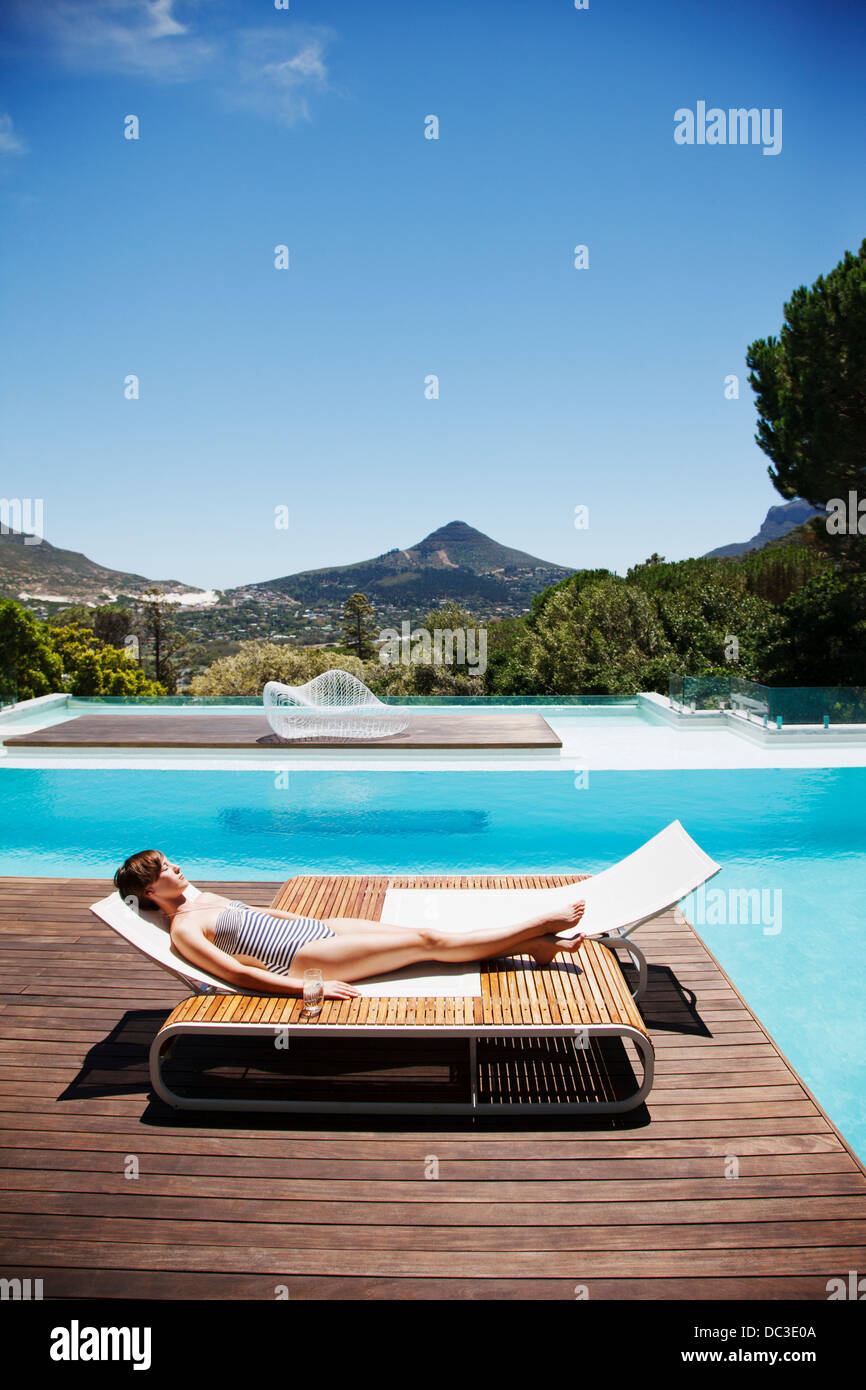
[589, 1013]
[333, 705]
[584, 1000]
[495, 1000]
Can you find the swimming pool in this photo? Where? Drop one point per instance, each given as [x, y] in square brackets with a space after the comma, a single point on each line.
[792, 843]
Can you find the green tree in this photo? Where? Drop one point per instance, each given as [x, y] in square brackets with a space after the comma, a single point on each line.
[703, 615]
[448, 618]
[248, 671]
[113, 623]
[36, 659]
[92, 667]
[777, 571]
[28, 664]
[509, 667]
[573, 584]
[603, 639]
[77, 613]
[440, 677]
[822, 637]
[359, 627]
[810, 387]
[86, 679]
[161, 637]
[670, 575]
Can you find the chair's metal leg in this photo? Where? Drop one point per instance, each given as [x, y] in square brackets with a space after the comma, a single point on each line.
[647, 1052]
[638, 958]
[473, 1070]
[160, 1049]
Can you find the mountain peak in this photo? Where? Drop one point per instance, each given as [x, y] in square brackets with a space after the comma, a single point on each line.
[776, 524]
[456, 561]
[455, 530]
[454, 534]
[459, 545]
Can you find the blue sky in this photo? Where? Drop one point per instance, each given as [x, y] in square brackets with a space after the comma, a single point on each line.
[304, 388]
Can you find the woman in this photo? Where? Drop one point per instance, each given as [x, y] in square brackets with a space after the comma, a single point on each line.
[267, 952]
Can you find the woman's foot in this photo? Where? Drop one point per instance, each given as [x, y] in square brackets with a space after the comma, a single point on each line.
[562, 920]
[544, 948]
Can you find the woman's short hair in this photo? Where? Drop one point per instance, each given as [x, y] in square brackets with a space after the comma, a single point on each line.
[137, 873]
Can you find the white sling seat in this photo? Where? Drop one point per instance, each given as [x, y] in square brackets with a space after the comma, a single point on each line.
[646, 883]
[333, 705]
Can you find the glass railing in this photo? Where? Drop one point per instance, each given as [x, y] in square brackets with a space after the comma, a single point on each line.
[770, 704]
[166, 701]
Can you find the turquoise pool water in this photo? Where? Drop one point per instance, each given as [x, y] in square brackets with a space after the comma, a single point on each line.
[785, 917]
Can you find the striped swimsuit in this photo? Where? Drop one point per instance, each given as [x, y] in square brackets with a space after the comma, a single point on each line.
[247, 931]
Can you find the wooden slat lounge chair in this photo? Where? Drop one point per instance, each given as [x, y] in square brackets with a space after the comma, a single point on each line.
[584, 1008]
[516, 1002]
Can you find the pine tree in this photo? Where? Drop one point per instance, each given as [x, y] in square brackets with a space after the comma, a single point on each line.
[161, 635]
[810, 387]
[358, 626]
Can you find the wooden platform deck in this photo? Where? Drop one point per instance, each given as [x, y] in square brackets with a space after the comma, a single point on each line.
[518, 730]
[730, 1183]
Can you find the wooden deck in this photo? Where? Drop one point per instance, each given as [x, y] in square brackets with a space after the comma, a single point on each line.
[518, 730]
[106, 1194]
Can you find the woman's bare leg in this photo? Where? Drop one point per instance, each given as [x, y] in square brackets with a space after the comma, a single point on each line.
[362, 948]
[543, 925]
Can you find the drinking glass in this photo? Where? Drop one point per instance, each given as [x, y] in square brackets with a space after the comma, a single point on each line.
[314, 992]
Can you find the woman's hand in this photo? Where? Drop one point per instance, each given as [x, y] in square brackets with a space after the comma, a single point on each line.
[336, 989]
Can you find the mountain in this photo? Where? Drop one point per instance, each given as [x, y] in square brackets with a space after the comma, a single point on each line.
[776, 524]
[46, 571]
[455, 562]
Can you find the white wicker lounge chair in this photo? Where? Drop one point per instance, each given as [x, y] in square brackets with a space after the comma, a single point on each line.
[332, 705]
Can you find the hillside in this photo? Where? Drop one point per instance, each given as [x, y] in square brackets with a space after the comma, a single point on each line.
[776, 524]
[49, 572]
[454, 562]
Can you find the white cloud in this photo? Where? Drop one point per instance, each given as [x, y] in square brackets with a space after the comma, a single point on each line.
[269, 70]
[307, 63]
[278, 86]
[122, 36]
[162, 21]
[10, 143]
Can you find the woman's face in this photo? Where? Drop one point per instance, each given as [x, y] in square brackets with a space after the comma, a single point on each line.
[171, 882]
